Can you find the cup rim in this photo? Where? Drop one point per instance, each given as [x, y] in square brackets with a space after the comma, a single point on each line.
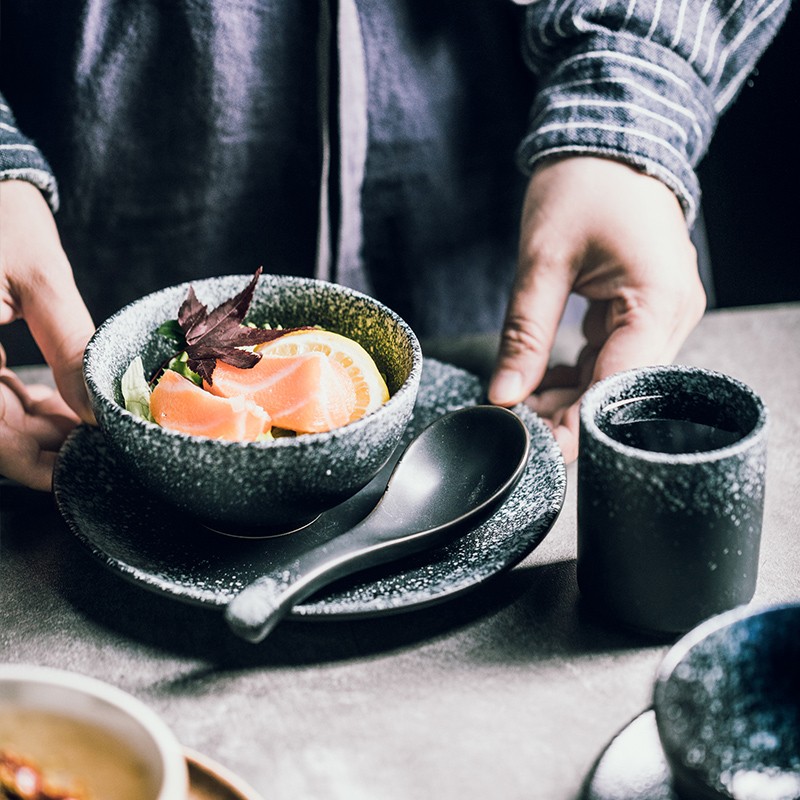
[174, 783]
[591, 405]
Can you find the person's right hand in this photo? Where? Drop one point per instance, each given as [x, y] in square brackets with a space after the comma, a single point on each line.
[37, 285]
[617, 237]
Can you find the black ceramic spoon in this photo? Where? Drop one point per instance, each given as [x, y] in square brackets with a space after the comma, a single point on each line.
[452, 476]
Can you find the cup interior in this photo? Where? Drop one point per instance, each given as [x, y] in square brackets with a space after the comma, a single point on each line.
[675, 410]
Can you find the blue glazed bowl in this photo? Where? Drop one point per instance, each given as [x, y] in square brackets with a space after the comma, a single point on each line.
[727, 703]
[254, 488]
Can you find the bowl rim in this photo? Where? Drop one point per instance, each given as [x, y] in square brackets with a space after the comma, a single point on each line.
[174, 783]
[686, 643]
[398, 398]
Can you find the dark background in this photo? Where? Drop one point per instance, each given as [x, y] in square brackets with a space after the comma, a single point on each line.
[750, 180]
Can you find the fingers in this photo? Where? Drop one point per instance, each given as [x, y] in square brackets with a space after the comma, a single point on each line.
[559, 408]
[538, 298]
[61, 326]
[644, 328]
[36, 283]
[23, 461]
[566, 433]
[31, 433]
[551, 404]
[528, 334]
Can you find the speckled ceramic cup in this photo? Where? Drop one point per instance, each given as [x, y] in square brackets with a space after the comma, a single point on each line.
[671, 477]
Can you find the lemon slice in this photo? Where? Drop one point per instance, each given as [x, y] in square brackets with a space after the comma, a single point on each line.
[370, 387]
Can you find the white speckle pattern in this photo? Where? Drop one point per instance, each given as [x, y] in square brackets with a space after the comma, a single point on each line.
[666, 540]
[278, 484]
[730, 691]
[155, 545]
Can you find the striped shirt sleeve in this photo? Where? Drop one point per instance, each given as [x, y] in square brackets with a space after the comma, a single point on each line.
[643, 81]
[21, 159]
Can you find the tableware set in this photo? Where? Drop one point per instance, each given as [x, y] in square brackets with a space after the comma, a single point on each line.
[157, 546]
[671, 478]
[479, 486]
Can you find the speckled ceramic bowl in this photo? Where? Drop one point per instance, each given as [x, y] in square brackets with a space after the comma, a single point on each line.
[727, 703]
[256, 488]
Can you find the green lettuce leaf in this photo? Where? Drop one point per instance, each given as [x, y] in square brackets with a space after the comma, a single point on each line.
[180, 364]
[136, 391]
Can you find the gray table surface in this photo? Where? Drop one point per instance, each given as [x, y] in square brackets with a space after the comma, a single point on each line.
[509, 692]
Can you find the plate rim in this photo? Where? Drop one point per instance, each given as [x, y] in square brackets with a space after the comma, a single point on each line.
[221, 775]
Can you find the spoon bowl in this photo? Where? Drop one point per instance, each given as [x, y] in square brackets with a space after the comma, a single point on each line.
[454, 474]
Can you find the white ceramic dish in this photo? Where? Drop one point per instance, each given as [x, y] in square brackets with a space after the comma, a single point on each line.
[80, 729]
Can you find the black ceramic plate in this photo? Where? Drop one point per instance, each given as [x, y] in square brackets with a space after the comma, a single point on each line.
[633, 766]
[156, 546]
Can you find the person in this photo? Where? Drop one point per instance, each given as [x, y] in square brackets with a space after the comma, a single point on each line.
[370, 144]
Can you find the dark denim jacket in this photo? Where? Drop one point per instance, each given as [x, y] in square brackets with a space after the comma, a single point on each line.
[185, 139]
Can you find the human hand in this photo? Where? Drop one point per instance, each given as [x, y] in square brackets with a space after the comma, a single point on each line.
[617, 237]
[36, 284]
[34, 421]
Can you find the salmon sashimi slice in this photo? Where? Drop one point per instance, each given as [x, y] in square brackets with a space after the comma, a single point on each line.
[180, 405]
[371, 389]
[306, 393]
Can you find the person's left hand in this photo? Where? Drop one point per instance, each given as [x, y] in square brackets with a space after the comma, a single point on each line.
[617, 237]
[37, 285]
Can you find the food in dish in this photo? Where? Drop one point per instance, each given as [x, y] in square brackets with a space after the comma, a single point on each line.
[22, 779]
[232, 380]
[180, 404]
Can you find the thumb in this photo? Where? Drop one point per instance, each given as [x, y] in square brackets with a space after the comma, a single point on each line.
[36, 283]
[534, 311]
[61, 325]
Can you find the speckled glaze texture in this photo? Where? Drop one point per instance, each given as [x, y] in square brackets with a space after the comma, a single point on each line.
[667, 540]
[275, 485]
[727, 703]
[139, 536]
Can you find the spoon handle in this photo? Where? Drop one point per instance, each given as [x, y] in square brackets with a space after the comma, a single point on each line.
[453, 475]
[258, 608]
